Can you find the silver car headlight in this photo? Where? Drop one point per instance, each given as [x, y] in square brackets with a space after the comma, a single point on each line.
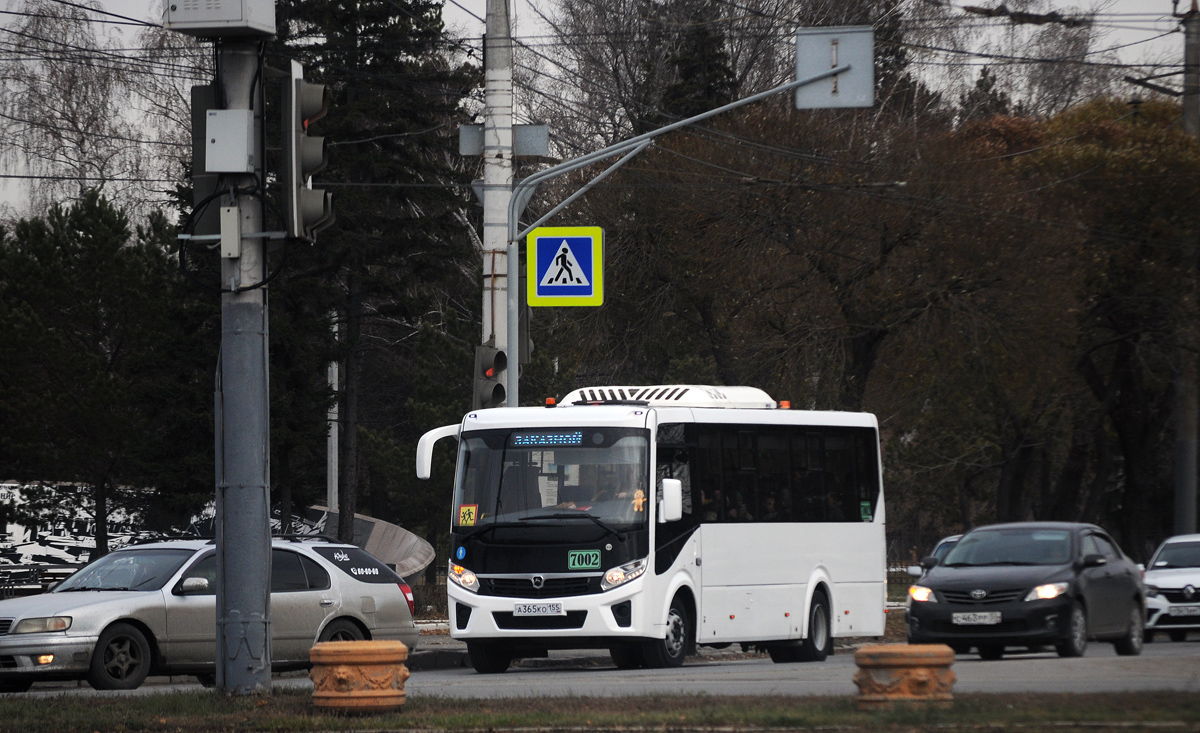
[623, 574]
[1047, 591]
[42, 625]
[464, 578]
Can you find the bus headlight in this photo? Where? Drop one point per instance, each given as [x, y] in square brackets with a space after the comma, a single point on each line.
[464, 578]
[623, 574]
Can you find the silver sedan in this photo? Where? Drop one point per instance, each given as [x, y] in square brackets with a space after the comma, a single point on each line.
[152, 608]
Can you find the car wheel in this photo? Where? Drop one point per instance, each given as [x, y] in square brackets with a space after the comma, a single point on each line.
[670, 651]
[121, 660]
[1130, 645]
[816, 647]
[1077, 635]
[991, 652]
[20, 684]
[627, 656]
[207, 680]
[959, 648]
[489, 658]
[341, 630]
[1177, 635]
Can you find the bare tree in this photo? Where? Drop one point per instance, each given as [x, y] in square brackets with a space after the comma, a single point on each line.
[80, 112]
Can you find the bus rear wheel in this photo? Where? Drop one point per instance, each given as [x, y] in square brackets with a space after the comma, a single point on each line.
[670, 651]
[816, 646]
[489, 657]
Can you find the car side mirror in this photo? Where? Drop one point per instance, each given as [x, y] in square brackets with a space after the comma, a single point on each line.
[915, 571]
[670, 509]
[929, 563]
[1094, 560]
[194, 585]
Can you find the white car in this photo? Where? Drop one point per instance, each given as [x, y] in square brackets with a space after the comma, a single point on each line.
[151, 608]
[1173, 588]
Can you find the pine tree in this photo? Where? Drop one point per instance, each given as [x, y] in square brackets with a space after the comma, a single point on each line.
[399, 250]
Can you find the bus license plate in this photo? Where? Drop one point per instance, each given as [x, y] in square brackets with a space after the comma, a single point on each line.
[538, 609]
[976, 618]
[1184, 611]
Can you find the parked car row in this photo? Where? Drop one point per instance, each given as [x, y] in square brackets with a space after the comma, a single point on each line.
[151, 608]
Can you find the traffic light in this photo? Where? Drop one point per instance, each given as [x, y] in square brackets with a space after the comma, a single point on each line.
[305, 211]
[490, 366]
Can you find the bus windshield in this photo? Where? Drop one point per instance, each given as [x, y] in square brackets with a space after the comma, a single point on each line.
[534, 476]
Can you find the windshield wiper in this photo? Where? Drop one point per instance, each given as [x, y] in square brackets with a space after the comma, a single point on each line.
[579, 515]
[95, 587]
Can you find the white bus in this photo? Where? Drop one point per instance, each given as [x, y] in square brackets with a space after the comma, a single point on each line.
[650, 520]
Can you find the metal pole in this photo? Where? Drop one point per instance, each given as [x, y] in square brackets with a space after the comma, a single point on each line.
[243, 529]
[524, 190]
[497, 179]
[331, 439]
[1187, 411]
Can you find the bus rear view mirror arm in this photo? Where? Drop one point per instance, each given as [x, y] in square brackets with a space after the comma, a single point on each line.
[670, 509]
[425, 447]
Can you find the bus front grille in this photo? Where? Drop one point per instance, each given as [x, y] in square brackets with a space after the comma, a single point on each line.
[506, 620]
[551, 587]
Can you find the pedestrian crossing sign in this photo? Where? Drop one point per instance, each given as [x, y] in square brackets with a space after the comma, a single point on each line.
[565, 266]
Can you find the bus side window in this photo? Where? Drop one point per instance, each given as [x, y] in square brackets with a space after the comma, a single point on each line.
[772, 476]
[708, 477]
[840, 485]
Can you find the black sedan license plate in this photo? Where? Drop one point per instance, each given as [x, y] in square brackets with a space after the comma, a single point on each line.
[538, 609]
[976, 618]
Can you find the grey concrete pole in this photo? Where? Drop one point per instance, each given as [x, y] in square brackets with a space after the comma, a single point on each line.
[1187, 411]
[243, 498]
[497, 178]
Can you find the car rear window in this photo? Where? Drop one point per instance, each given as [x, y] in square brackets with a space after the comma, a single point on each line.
[358, 564]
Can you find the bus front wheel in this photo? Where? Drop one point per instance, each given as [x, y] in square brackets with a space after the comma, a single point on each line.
[489, 657]
[670, 651]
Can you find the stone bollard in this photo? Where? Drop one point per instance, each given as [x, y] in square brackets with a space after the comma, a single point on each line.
[358, 676]
[908, 672]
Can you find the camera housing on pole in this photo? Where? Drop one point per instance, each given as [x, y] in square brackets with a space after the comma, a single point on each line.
[306, 210]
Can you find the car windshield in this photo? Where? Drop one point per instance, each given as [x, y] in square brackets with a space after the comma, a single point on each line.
[1012, 546]
[1178, 555]
[542, 476]
[144, 570]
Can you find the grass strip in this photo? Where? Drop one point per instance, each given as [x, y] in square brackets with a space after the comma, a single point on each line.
[293, 711]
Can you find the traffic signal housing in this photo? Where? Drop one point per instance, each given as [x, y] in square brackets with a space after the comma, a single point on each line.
[306, 210]
[490, 367]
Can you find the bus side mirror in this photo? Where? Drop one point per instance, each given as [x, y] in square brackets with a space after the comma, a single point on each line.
[425, 447]
[670, 509]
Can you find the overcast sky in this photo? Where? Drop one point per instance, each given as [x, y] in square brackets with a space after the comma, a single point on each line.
[1125, 21]
[1141, 30]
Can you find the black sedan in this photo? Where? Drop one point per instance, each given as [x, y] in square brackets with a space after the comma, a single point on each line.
[1028, 585]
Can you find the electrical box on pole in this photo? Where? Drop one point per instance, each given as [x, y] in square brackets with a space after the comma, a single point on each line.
[306, 210]
[220, 18]
[490, 367]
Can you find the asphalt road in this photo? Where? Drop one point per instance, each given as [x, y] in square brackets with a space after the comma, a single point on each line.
[1162, 666]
